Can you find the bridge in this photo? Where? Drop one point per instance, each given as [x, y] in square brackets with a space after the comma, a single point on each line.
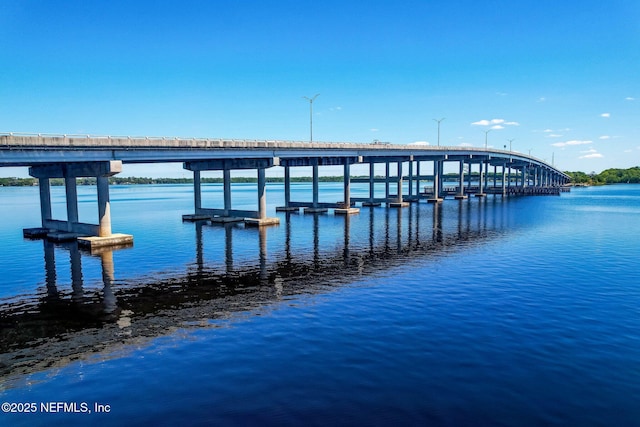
[72, 156]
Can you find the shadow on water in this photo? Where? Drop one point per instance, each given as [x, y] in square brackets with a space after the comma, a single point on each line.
[55, 327]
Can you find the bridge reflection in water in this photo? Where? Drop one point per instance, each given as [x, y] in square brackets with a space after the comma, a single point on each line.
[55, 325]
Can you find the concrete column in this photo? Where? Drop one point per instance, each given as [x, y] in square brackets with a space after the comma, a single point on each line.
[495, 176]
[347, 185]
[410, 179]
[226, 183]
[386, 182]
[262, 195]
[197, 191]
[460, 194]
[486, 176]
[346, 208]
[315, 184]
[371, 182]
[469, 178]
[525, 177]
[399, 203]
[72, 201]
[418, 179]
[481, 192]
[504, 179]
[399, 186]
[104, 207]
[437, 169]
[287, 192]
[45, 200]
[287, 186]
[441, 180]
[436, 179]
[509, 178]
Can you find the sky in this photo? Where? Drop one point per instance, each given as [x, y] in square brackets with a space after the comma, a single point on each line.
[560, 79]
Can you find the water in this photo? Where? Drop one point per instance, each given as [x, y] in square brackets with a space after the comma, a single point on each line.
[512, 312]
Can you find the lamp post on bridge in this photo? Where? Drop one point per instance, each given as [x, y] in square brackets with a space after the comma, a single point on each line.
[486, 133]
[438, 121]
[311, 114]
[510, 141]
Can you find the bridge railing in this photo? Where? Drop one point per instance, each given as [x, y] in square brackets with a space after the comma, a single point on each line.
[54, 140]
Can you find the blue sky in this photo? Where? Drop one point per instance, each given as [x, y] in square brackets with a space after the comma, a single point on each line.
[560, 78]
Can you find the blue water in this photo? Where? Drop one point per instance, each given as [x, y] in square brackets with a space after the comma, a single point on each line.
[514, 312]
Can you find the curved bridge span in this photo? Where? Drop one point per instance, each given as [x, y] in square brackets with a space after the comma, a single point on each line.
[407, 168]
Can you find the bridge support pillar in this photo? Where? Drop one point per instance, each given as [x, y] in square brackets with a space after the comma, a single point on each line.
[315, 208]
[104, 207]
[410, 183]
[481, 185]
[262, 219]
[346, 209]
[437, 170]
[287, 193]
[87, 235]
[461, 195]
[372, 184]
[399, 203]
[227, 212]
[387, 172]
[417, 179]
[45, 200]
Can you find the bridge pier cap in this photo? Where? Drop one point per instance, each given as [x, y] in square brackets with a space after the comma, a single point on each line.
[228, 164]
[74, 170]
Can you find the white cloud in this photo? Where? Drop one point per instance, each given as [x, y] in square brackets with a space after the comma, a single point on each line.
[593, 150]
[466, 144]
[628, 151]
[497, 127]
[629, 98]
[542, 99]
[419, 143]
[592, 156]
[547, 130]
[494, 122]
[573, 142]
[605, 115]
[374, 130]
[605, 137]
[554, 135]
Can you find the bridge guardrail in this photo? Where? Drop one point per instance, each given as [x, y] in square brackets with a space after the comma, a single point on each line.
[71, 140]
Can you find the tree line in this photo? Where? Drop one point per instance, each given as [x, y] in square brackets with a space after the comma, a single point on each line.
[609, 176]
[28, 182]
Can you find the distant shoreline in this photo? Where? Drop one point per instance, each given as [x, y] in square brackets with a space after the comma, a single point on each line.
[609, 176]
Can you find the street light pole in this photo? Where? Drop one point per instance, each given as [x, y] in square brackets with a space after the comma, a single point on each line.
[311, 115]
[510, 141]
[486, 133]
[436, 120]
